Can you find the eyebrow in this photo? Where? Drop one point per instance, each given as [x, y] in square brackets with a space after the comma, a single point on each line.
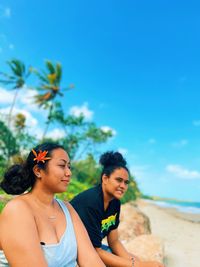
[65, 161]
[125, 180]
[122, 178]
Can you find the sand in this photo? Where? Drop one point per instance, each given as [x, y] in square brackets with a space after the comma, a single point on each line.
[179, 231]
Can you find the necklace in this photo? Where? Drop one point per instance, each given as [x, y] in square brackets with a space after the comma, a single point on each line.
[52, 217]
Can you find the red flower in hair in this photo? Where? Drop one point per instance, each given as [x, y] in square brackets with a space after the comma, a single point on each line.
[41, 156]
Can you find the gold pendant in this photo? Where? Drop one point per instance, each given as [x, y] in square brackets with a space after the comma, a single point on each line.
[53, 217]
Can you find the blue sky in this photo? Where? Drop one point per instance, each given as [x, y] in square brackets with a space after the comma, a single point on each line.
[136, 68]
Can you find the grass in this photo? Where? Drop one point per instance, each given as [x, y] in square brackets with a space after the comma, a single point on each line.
[2, 204]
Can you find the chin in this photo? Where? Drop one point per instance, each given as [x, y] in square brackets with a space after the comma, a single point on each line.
[118, 196]
[63, 190]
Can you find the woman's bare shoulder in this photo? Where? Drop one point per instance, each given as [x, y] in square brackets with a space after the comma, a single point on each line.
[17, 205]
[70, 208]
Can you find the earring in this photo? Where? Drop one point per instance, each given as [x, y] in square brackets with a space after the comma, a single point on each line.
[38, 175]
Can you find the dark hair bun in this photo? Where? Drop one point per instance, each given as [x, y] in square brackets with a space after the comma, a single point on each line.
[12, 182]
[112, 159]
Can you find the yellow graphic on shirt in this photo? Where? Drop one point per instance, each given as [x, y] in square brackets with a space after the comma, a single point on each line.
[106, 223]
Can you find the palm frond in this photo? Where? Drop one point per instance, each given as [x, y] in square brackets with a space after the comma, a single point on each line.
[50, 87]
[50, 66]
[59, 73]
[43, 97]
[52, 78]
[17, 67]
[42, 77]
[28, 72]
[20, 66]
[11, 77]
[6, 82]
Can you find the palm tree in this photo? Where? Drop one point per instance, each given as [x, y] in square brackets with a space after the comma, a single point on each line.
[50, 88]
[8, 145]
[17, 79]
[20, 122]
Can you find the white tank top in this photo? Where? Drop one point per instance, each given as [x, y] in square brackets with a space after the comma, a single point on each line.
[62, 254]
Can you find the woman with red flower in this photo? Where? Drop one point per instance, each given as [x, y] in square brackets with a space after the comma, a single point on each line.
[36, 229]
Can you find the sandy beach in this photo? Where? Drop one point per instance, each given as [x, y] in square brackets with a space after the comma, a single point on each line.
[179, 231]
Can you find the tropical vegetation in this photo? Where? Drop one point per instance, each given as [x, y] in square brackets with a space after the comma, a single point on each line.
[82, 138]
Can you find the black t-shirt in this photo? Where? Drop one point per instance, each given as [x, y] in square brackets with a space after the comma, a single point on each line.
[98, 222]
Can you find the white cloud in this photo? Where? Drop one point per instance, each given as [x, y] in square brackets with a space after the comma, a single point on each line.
[78, 110]
[182, 172]
[37, 132]
[6, 96]
[181, 143]
[56, 134]
[25, 99]
[196, 123]
[107, 128]
[30, 120]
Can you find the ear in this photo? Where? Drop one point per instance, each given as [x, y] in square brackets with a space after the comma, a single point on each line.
[37, 171]
[105, 179]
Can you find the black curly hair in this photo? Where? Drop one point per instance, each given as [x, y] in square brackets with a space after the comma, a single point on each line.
[20, 177]
[111, 161]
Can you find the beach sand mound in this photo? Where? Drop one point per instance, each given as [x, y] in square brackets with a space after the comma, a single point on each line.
[147, 248]
[133, 222]
[135, 234]
[181, 237]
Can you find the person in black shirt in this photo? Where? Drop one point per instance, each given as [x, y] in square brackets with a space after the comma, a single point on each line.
[99, 209]
[98, 221]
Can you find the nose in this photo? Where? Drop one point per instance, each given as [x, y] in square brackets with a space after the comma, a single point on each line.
[68, 172]
[123, 184]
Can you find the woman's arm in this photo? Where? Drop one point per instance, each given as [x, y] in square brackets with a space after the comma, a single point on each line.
[113, 260]
[121, 257]
[87, 256]
[116, 245]
[19, 236]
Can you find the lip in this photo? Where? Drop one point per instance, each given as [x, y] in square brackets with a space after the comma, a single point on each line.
[65, 181]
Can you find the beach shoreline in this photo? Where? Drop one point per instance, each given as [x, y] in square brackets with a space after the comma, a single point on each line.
[188, 216]
[179, 231]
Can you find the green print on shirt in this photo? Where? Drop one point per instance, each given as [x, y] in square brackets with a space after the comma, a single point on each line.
[106, 223]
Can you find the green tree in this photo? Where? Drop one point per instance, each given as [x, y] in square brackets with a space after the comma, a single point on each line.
[50, 88]
[81, 136]
[8, 144]
[86, 170]
[17, 79]
[94, 136]
[24, 139]
[133, 191]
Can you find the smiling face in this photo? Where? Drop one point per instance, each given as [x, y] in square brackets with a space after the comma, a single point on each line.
[116, 184]
[56, 177]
